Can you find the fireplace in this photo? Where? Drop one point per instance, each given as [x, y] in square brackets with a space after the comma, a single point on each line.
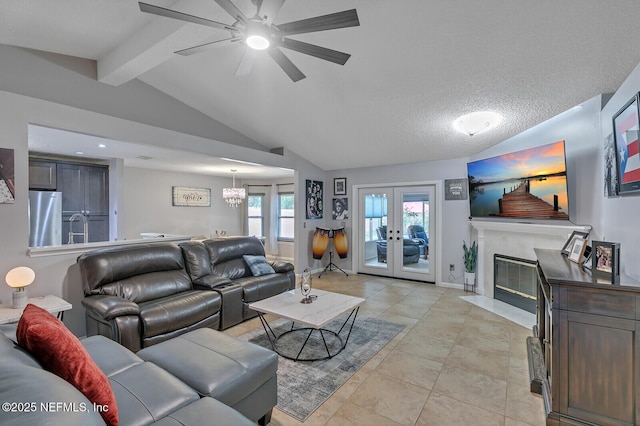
[516, 239]
[515, 281]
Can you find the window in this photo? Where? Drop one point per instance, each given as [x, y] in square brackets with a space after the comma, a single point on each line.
[375, 213]
[286, 215]
[255, 214]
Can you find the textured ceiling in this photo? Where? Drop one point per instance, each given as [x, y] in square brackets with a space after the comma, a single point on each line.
[416, 65]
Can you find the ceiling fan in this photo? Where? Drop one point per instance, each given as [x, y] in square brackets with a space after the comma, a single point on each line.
[260, 33]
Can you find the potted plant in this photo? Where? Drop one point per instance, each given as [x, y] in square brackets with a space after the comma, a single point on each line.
[470, 259]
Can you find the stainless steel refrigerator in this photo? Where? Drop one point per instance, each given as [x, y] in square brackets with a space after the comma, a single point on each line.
[45, 217]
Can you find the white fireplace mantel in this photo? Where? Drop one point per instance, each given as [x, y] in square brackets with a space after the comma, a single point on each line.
[515, 239]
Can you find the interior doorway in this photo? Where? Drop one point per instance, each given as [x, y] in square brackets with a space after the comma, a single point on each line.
[396, 231]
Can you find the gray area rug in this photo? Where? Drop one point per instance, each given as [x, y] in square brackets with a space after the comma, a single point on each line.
[303, 386]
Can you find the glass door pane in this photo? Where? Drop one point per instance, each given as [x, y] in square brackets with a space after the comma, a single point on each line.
[413, 206]
[373, 221]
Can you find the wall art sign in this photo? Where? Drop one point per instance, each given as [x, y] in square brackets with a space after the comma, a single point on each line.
[7, 176]
[314, 199]
[625, 133]
[455, 189]
[184, 196]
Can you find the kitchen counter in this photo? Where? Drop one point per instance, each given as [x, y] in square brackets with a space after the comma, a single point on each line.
[80, 248]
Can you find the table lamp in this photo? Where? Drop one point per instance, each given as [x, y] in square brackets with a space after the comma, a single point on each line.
[18, 278]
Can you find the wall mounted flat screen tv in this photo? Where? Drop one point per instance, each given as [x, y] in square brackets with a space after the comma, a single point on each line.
[527, 184]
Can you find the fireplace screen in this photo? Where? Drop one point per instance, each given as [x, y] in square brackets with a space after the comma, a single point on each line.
[515, 281]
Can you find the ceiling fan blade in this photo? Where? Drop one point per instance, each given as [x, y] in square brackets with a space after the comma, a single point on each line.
[287, 66]
[244, 67]
[232, 10]
[347, 18]
[206, 46]
[168, 13]
[317, 51]
[269, 9]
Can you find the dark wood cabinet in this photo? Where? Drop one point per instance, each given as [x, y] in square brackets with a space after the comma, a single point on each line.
[98, 229]
[42, 175]
[588, 338]
[85, 190]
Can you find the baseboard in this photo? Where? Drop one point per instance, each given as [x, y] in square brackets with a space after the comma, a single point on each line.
[451, 285]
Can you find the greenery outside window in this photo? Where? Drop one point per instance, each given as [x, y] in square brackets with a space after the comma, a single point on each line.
[286, 216]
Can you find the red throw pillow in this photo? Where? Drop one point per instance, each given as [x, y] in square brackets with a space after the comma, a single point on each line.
[61, 353]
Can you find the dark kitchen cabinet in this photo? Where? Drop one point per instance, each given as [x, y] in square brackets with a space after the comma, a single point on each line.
[42, 175]
[588, 344]
[85, 190]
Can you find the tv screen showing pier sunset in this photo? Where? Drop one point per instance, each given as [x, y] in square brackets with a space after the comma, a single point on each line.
[531, 183]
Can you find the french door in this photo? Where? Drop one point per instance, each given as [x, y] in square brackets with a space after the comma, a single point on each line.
[396, 231]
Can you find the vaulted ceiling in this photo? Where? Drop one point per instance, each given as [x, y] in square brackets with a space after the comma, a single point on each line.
[415, 66]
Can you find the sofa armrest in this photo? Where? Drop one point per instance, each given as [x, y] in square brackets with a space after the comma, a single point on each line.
[210, 282]
[109, 307]
[280, 266]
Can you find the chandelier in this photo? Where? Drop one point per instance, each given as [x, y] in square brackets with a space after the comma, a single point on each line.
[233, 196]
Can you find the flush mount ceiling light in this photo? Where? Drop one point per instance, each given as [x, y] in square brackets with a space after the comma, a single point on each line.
[234, 196]
[477, 122]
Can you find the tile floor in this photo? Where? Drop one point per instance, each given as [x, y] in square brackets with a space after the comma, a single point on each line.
[455, 363]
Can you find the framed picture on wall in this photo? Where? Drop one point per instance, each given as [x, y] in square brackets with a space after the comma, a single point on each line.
[340, 186]
[340, 209]
[455, 189]
[7, 183]
[610, 167]
[314, 199]
[626, 125]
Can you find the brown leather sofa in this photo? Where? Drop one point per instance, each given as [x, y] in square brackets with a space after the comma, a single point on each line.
[143, 294]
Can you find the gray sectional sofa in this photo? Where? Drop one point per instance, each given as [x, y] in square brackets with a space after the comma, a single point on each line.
[144, 294]
[214, 379]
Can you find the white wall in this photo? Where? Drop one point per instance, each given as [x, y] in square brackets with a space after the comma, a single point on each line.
[454, 213]
[616, 219]
[148, 205]
[578, 127]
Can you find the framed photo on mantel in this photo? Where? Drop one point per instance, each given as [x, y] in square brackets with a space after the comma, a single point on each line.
[605, 261]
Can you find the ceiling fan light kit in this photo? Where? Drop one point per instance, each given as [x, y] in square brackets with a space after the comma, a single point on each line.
[257, 42]
[260, 33]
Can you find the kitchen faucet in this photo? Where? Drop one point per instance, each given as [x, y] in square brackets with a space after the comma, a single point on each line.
[85, 233]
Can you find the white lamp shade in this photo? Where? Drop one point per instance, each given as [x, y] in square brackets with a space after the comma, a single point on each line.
[20, 277]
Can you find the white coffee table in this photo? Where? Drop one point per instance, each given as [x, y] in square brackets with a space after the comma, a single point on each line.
[326, 306]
